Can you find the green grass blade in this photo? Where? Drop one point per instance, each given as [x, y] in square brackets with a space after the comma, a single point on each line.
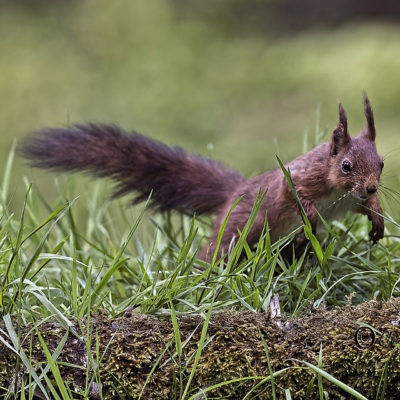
[198, 352]
[335, 381]
[116, 263]
[7, 173]
[15, 341]
[54, 368]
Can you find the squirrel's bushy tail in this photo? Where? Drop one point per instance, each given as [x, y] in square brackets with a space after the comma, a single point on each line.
[188, 183]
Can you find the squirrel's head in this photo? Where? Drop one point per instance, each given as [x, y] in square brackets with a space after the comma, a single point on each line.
[355, 165]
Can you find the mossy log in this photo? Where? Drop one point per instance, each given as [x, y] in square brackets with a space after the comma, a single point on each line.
[138, 353]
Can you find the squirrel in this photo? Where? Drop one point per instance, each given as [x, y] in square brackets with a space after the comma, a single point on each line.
[331, 178]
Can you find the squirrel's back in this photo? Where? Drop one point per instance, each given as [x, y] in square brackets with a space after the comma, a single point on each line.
[179, 180]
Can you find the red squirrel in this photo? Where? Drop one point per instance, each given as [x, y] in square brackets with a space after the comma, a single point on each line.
[332, 178]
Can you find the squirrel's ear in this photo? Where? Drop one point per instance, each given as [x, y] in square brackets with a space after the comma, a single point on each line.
[340, 135]
[369, 115]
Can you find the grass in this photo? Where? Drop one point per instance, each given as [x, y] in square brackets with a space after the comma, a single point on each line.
[53, 266]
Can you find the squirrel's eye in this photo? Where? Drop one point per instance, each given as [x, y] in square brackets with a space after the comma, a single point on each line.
[346, 166]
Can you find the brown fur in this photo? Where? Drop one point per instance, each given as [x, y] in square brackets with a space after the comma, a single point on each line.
[193, 184]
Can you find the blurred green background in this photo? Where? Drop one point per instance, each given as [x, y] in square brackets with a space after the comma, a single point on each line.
[234, 80]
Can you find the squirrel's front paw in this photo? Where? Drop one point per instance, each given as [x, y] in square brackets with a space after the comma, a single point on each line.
[300, 241]
[378, 227]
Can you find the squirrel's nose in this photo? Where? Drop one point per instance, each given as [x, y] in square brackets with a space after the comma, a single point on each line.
[371, 189]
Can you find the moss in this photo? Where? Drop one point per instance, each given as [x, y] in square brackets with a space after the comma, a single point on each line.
[133, 345]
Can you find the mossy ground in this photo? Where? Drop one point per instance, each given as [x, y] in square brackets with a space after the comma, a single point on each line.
[138, 355]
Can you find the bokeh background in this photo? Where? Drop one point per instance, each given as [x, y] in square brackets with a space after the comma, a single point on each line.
[235, 80]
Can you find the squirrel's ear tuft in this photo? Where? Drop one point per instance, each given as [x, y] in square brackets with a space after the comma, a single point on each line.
[343, 118]
[340, 135]
[369, 115]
